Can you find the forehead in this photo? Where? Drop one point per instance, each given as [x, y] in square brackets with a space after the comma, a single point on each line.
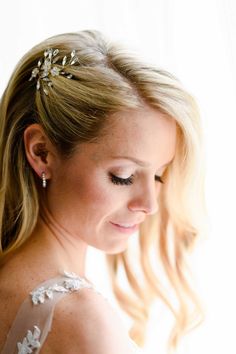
[146, 134]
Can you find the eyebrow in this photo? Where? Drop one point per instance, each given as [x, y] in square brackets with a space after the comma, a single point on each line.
[137, 161]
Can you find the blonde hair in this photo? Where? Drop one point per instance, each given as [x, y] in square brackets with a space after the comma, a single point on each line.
[108, 79]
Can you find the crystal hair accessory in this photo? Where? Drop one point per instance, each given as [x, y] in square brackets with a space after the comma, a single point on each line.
[47, 67]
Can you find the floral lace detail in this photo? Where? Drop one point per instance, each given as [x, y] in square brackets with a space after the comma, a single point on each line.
[30, 342]
[73, 283]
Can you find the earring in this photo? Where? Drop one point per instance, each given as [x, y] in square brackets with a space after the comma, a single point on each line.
[44, 181]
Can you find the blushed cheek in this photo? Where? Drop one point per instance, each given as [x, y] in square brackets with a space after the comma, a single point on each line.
[98, 196]
[99, 207]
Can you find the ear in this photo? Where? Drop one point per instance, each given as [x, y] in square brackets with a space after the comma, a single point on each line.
[39, 150]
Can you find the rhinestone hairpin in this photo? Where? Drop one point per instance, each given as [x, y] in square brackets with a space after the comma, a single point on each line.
[46, 67]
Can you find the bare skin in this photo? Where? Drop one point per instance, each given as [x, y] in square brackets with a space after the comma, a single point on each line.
[82, 206]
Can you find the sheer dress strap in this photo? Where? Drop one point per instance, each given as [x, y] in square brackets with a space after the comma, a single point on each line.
[34, 317]
[33, 320]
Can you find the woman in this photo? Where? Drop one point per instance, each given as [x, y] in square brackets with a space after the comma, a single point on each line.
[95, 145]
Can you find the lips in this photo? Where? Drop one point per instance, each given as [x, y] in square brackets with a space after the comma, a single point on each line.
[126, 228]
[127, 224]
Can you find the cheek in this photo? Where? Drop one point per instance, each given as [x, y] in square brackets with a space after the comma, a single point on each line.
[96, 193]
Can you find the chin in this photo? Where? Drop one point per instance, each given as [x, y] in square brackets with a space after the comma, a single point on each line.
[116, 249]
[113, 249]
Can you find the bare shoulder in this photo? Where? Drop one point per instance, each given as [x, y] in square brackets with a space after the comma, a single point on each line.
[85, 323]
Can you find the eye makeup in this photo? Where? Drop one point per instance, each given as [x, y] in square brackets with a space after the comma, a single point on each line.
[129, 180]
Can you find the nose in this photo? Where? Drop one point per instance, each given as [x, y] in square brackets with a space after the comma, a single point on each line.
[145, 199]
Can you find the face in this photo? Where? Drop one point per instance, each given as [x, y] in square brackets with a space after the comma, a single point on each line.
[106, 189]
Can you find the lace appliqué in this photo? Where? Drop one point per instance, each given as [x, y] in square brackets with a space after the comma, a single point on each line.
[30, 342]
[73, 283]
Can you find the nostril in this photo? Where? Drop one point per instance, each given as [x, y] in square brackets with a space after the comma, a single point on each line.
[147, 206]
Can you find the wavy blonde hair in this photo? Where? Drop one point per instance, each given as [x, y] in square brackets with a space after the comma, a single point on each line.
[108, 79]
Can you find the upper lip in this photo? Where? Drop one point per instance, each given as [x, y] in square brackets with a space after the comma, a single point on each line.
[127, 223]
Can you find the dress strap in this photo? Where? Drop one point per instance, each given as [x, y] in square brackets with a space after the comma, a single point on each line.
[34, 317]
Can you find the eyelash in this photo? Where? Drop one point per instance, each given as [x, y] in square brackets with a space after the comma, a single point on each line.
[128, 181]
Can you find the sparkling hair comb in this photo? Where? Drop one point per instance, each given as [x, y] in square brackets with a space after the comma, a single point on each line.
[46, 67]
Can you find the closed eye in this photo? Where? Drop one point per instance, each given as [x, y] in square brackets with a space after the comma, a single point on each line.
[129, 180]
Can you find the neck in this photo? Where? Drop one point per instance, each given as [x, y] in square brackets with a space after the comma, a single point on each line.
[55, 247]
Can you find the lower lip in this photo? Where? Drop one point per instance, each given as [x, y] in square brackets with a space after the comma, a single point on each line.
[126, 230]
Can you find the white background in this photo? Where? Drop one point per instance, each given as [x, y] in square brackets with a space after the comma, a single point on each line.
[194, 39]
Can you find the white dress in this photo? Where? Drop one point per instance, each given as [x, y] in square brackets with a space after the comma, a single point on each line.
[34, 317]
